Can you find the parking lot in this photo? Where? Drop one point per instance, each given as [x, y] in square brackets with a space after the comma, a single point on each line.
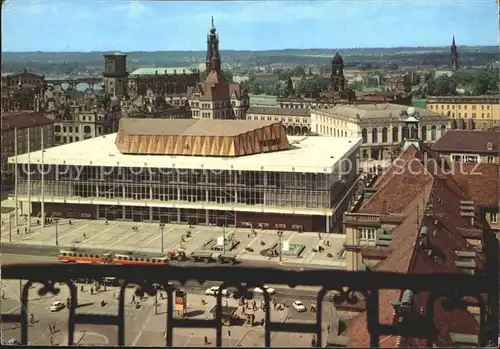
[120, 236]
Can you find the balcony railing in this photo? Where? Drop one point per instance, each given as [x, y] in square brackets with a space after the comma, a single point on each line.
[345, 284]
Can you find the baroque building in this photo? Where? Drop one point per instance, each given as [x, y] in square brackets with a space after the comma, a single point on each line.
[382, 127]
[20, 91]
[214, 98]
[339, 93]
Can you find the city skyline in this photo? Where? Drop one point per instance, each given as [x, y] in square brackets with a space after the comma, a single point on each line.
[167, 26]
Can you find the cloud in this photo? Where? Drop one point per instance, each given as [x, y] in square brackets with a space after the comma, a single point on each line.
[134, 9]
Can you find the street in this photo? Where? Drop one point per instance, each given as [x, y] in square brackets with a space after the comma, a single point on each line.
[143, 327]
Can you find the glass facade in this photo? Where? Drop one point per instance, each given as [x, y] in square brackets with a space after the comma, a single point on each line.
[274, 189]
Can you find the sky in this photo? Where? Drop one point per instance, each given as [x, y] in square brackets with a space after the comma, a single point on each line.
[97, 25]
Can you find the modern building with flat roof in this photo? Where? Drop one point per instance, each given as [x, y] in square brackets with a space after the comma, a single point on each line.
[224, 172]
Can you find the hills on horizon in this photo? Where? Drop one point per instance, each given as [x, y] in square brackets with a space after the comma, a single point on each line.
[356, 50]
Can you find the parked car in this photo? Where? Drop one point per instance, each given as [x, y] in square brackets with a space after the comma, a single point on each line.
[13, 341]
[269, 290]
[299, 306]
[56, 306]
[212, 291]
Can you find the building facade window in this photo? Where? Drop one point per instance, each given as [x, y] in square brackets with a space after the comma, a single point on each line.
[368, 234]
[494, 218]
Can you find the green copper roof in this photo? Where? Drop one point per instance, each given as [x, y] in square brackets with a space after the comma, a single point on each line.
[411, 141]
[161, 70]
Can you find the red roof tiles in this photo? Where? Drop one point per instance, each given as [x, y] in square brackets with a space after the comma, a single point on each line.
[20, 120]
[411, 186]
[468, 141]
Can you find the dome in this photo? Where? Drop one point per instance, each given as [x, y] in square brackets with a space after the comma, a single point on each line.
[337, 59]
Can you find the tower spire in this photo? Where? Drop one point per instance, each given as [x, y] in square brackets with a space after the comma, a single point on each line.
[213, 22]
[453, 42]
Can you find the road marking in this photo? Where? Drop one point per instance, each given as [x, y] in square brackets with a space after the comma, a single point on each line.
[248, 245]
[193, 235]
[146, 323]
[310, 258]
[59, 236]
[99, 233]
[156, 237]
[122, 238]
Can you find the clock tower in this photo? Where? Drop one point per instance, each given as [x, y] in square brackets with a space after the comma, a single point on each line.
[115, 74]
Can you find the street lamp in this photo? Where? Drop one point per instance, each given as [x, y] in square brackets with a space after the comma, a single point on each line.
[162, 225]
[10, 227]
[56, 220]
[224, 239]
[280, 234]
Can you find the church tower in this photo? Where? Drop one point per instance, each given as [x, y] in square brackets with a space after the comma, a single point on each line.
[212, 49]
[115, 76]
[337, 79]
[454, 55]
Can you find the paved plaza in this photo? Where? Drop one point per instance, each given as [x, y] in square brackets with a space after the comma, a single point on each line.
[121, 237]
[144, 326]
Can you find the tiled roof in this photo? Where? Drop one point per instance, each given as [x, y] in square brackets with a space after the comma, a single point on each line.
[20, 120]
[215, 91]
[408, 187]
[480, 182]
[278, 111]
[468, 141]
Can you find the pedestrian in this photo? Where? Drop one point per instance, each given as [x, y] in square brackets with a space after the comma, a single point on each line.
[133, 299]
[51, 340]
[32, 318]
[313, 341]
[17, 231]
[114, 295]
[91, 290]
[165, 334]
[84, 236]
[206, 341]
[81, 288]
[225, 303]
[328, 328]
[50, 328]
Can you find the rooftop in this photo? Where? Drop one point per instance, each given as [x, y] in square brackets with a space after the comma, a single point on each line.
[378, 110]
[189, 127]
[278, 111]
[409, 188]
[22, 119]
[307, 154]
[162, 70]
[469, 141]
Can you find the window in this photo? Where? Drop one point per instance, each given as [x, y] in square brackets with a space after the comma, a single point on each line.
[76, 129]
[494, 218]
[86, 129]
[64, 129]
[490, 159]
[57, 128]
[368, 234]
[71, 129]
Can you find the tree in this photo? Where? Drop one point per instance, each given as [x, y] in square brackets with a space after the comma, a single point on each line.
[442, 86]
[228, 76]
[299, 71]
